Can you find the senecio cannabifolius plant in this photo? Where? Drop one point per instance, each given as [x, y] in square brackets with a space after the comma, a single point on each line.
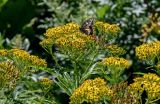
[95, 73]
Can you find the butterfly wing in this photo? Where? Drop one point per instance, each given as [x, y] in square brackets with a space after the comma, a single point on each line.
[87, 26]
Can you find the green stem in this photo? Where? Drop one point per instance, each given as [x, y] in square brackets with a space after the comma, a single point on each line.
[86, 74]
[75, 74]
[43, 97]
[114, 74]
[147, 102]
[92, 61]
[54, 57]
[151, 102]
[49, 51]
[139, 96]
[105, 75]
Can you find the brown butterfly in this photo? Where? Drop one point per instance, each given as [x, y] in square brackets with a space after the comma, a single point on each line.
[87, 26]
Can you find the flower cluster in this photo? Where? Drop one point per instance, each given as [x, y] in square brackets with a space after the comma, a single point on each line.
[150, 83]
[46, 81]
[114, 50]
[106, 28]
[23, 56]
[8, 73]
[113, 68]
[54, 33]
[69, 39]
[136, 88]
[91, 91]
[148, 51]
[46, 84]
[122, 95]
[115, 62]
[75, 40]
[61, 30]
[3, 52]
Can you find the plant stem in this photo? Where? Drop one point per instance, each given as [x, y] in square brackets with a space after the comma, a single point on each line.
[75, 74]
[151, 102]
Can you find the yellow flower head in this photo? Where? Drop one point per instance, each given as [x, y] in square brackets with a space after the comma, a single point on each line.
[23, 55]
[114, 50]
[52, 34]
[26, 57]
[35, 60]
[8, 73]
[150, 83]
[59, 31]
[46, 81]
[136, 88]
[3, 52]
[106, 28]
[151, 77]
[115, 62]
[47, 42]
[75, 40]
[91, 91]
[148, 51]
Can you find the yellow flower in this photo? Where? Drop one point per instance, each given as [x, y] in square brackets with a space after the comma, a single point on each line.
[148, 51]
[59, 31]
[91, 91]
[152, 89]
[35, 60]
[26, 57]
[150, 83]
[114, 50]
[112, 29]
[76, 40]
[47, 42]
[8, 73]
[115, 62]
[3, 52]
[52, 34]
[46, 81]
[136, 88]
[151, 77]
[23, 55]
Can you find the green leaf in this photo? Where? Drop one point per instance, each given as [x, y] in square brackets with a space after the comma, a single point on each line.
[2, 40]
[139, 73]
[158, 71]
[48, 70]
[102, 11]
[63, 85]
[2, 2]
[87, 73]
[68, 78]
